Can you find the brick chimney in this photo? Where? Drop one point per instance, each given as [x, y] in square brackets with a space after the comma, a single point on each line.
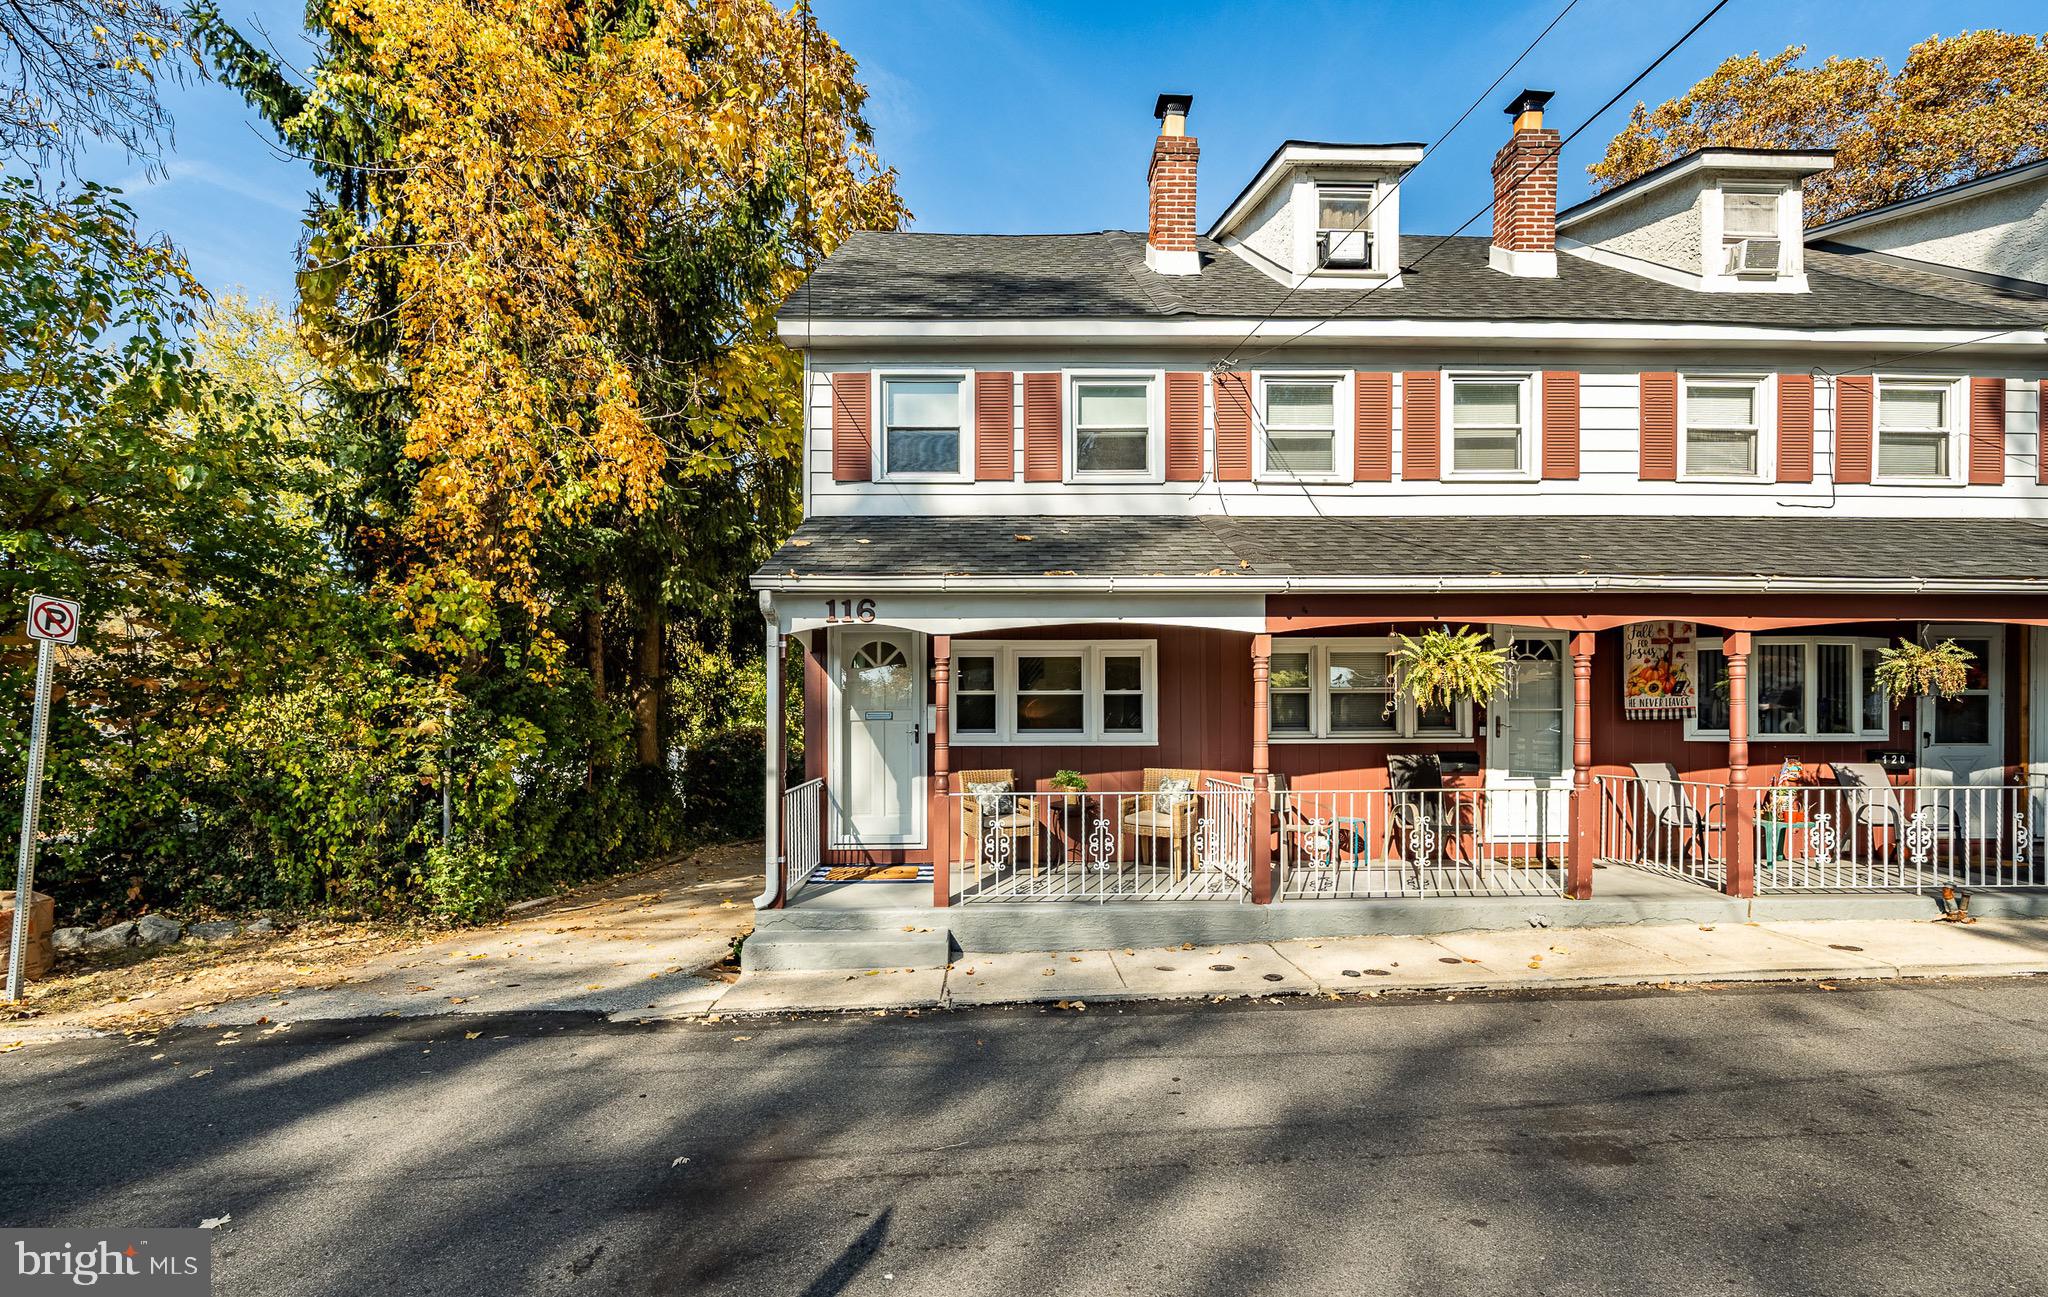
[1525, 193]
[1170, 238]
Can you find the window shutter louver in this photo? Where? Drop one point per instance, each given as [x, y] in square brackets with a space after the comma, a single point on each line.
[1855, 398]
[1795, 427]
[1658, 421]
[1234, 427]
[995, 423]
[1987, 431]
[1561, 425]
[1372, 428]
[853, 453]
[1041, 427]
[1422, 420]
[1184, 427]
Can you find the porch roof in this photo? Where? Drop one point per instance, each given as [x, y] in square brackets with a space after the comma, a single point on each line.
[1471, 553]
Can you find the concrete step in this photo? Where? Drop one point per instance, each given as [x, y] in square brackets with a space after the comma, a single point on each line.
[784, 949]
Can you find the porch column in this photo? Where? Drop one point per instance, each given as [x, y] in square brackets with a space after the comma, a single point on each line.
[1262, 776]
[1740, 847]
[1585, 804]
[775, 889]
[940, 816]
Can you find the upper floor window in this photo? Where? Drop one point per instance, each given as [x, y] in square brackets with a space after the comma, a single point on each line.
[1068, 691]
[1488, 426]
[921, 422]
[1722, 429]
[1752, 239]
[1300, 422]
[1344, 689]
[1915, 430]
[1112, 421]
[1799, 688]
[1344, 226]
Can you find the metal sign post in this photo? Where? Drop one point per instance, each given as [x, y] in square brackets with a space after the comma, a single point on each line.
[50, 622]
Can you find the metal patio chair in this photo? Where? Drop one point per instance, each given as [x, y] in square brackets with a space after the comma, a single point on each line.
[1669, 814]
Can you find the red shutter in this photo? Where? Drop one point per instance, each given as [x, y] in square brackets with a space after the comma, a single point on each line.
[1372, 427]
[1234, 427]
[1795, 427]
[1421, 425]
[853, 449]
[1561, 424]
[1987, 431]
[1184, 427]
[995, 427]
[1041, 427]
[1853, 410]
[2041, 432]
[1658, 421]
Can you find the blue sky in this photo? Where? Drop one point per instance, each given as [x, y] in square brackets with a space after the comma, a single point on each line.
[1008, 116]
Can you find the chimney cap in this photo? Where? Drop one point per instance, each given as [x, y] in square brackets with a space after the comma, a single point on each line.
[1529, 101]
[1172, 103]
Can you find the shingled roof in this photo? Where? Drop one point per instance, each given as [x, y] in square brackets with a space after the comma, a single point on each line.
[903, 276]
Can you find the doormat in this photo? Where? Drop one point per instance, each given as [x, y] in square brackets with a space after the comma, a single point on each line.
[873, 874]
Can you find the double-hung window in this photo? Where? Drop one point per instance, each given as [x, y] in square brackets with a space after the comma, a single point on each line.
[1916, 423]
[1112, 422]
[1488, 426]
[1300, 424]
[1723, 431]
[1345, 690]
[1055, 692]
[1344, 227]
[1799, 688]
[922, 418]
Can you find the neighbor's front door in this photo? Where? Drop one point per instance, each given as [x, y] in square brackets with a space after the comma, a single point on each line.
[880, 790]
[1529, 749]
[1962, 739]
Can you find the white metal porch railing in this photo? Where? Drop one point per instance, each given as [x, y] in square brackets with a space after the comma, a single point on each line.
[1917, 837]
[1674, 827]
[803, 835]
[1054, 846]
[1424, 842]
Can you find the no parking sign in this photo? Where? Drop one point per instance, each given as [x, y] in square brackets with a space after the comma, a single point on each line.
[55, 620]
[50, 621]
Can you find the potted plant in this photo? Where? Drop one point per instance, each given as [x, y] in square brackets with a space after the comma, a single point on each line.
[1912, 670]
[1070, 784]
[1439, 667]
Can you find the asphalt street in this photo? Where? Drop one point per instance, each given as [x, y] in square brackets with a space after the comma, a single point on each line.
[1868, 1140]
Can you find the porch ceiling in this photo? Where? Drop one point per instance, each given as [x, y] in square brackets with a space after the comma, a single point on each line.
[1472, 553]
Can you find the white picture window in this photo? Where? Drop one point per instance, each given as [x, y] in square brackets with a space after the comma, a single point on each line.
[1344, 226]
[1300, 424]
[1916, 423]
[1344, 690]
[1723, 428]
[1488, 424]
[1799, 688]
[1055, 692]
[1112, 422]
[1752, 239]
[922, 418]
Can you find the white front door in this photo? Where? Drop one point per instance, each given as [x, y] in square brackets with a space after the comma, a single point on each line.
[1962, 739]
[880, 778]
[1529, 752]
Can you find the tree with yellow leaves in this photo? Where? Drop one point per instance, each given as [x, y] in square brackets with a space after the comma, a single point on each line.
[1960, 107]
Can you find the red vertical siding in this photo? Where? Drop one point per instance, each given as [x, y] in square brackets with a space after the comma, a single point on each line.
[853, 453]
[1041, 427]
[1372, 430]
[1561, 424]
[1421, 425]
[1987, 431]
[1795, 427]
[1184, 427]
[1234, 427]
[1855, 397]
[995, 423]
[1658, 420]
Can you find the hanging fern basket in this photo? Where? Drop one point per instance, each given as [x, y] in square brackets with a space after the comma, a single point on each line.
[1911, 670]
[1442, 667]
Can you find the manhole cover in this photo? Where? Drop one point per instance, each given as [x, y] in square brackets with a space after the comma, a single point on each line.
[1275, 977]
[1223, 968]
[1835, 947]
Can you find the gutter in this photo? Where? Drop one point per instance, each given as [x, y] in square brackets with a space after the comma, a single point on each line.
[1585, 583]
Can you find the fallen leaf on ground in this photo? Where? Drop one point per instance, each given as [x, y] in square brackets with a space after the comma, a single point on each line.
[215, 1222]
[471, 1035]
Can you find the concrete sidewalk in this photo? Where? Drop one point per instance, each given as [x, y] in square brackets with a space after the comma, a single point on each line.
[1508, 960]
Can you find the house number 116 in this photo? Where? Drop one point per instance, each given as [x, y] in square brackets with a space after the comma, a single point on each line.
[842, 610]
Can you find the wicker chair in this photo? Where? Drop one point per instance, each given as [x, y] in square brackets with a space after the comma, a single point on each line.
[1144, 818]
[975, 829]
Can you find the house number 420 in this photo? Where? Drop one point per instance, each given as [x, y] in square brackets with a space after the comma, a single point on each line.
[840, 610]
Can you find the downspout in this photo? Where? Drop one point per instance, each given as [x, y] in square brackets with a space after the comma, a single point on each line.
[771, 834]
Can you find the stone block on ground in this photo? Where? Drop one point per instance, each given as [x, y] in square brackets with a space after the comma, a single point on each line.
[116, 936]
[156, 930]
[213, 930]
[69, 939]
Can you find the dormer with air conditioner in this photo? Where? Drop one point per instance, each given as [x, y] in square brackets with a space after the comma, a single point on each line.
[1322, 215]
[1717, 221]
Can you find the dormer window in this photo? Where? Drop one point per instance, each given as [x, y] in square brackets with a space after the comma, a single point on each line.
[1344, 226]
[1752, 239]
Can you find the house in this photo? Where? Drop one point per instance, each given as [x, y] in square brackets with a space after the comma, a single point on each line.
[1158, 507]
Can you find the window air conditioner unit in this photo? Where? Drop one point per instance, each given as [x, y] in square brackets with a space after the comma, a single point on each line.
[1344, 249]
[1756, 257]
